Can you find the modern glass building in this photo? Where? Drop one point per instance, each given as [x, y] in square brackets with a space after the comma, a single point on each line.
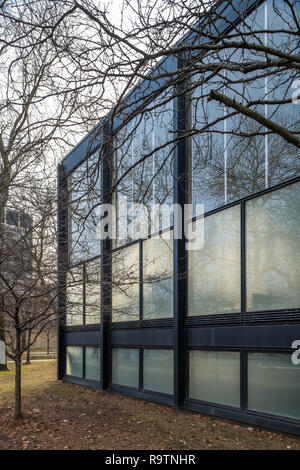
[210, 329]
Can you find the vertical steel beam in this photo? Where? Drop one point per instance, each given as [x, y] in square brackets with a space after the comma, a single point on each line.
[62, 260]
[106, 261]
[180, 198]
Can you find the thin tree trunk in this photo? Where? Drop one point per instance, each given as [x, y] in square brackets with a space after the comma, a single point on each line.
[18, 363]
[48, 345]
[3, 366]
[28, 347]
[18, 403]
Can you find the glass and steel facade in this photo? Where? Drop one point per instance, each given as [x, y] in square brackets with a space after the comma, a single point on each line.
[209, 329]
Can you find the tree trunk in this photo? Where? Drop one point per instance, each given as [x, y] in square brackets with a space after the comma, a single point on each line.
[3, 364]
[28, 347]
[18, 403]
[48, 345]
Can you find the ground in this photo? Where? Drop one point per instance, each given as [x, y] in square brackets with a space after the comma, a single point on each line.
[65, 416]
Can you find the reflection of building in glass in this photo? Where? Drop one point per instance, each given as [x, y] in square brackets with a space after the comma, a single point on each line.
[211, 329]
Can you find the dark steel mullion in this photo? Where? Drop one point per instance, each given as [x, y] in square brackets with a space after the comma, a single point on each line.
[180, 197]
[244, 380]
[141, 369]
[141, 296]
[83, 361]
[106, 266]
[83, 292]
[62, 228]
[243, 259]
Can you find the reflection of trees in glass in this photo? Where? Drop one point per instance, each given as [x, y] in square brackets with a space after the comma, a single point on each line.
[92, 292]
[125, 284]
[74, 296]
[273, 250]
[151, 180]
[84, 279]
[157, 278]
[84, 197]
[214, 270]
[237, 156]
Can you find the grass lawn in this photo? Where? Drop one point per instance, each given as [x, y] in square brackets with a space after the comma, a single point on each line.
[65, 416]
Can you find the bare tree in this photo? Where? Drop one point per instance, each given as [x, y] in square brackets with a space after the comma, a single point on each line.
[49, 333]
[28, 276]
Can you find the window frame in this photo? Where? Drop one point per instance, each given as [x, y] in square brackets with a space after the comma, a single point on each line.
[245, 317]
[85, 325]
[83, 378]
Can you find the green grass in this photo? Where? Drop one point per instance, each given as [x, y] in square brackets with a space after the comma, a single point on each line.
[35, 377]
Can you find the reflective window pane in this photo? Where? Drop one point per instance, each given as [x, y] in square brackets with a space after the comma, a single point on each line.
[214, 376]
[74, 361]
[158, 277]
[274, 384]
[84, 196]
[151, 181]
[74, 296]
[214, 270]
[92, 363]
[233, 155]
[125, 284]
[93, 292]
[158, 370]
[273, 250]
[208, 147]
[125, 367]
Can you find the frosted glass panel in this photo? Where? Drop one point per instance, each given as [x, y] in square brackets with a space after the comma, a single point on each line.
[74, 361]
[74, 296]
[214, 376]
[92, 363]
[125, 367]
[214, 271]
[274, 384]
[93, 292]
[273, 250]
[158, 277]
[125, 274]
[158, 370]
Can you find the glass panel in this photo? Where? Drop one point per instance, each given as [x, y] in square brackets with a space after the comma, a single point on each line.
[92, 363]
[125, 367]
[208, 147]
[74, 361]
[283, 158]
[273, 250]
[273, 384]
[74, 293]
[158, 277]
[158, 370]
[125, 284]
[151, 181]
[214, 376]
[214, 270]
[93, 292]
[84, 196]
[233, 155]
